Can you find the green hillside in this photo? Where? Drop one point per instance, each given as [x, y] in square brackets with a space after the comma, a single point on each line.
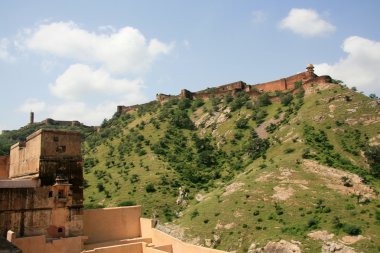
[10, 137]
[231, 171]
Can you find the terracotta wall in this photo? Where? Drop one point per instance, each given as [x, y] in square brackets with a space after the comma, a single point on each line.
[272, 86]
[112, 223]
[126, 248]
[38, 244]
[4, 167]
[160, 239]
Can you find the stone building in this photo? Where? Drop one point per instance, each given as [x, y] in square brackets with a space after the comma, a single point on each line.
[41, 207]
[41, 189]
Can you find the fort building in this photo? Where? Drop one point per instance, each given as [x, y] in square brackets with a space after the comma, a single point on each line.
[305, 79]
[41, 206]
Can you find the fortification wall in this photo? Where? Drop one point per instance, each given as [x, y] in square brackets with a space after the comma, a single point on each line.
[4, 167]
[159, 238]
[39, 244]
[24, 158]
[271, 86]
[110, 224]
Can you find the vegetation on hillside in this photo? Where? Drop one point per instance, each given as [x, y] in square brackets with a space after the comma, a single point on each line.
[215, 166]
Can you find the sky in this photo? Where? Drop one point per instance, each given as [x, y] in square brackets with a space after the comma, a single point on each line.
[78, 60]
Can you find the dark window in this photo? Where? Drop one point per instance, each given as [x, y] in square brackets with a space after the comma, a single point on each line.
[55, 138]
[61, 149]
[61, 194]
[50, 194]
[60, 230]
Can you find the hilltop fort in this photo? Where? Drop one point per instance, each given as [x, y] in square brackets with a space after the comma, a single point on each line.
[305, 79]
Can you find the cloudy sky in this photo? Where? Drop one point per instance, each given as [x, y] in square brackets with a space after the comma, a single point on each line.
[78, 60]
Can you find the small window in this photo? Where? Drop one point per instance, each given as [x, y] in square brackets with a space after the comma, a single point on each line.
[60, 230]
[50, 194]
[61, 194]
[61, 149]
[55, 138]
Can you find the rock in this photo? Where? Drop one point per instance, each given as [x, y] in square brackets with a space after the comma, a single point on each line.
[252, 248]
[320, 235]
[208, 242]
[280, 247]
[332, 247]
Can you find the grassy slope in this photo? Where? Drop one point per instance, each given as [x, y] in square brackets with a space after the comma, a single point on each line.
[250, 210]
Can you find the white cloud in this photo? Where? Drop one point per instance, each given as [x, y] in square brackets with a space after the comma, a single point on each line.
[122, 51]
[80, 81]
[306, 22]
[89, 115]
[4, 50]
[360, 68]
[33, 105]
[258, 16]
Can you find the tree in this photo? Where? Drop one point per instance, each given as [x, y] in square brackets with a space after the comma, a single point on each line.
[286, 99]
[264, 100]
[372, 95]
[373, 156]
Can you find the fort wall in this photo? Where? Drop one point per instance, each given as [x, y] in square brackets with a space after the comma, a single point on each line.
[40, 244]
[30, 210]
[4, 167]
[110, 224]
[283, 84]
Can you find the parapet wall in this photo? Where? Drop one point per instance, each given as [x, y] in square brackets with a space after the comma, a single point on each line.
[4, 167]
[284, 84]
[111, 224]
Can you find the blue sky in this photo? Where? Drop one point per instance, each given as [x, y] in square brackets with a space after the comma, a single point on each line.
[77, 60]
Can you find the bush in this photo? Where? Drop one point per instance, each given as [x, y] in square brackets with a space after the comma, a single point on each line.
[242, 123]
[194, 214]
[286, 99]
[289, 150]
[352, 229]
[264, 100]
[372, 154]
[127, 203]
[150, 188]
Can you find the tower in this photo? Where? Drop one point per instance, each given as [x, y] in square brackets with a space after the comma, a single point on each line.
[310, 70]
[31, 119]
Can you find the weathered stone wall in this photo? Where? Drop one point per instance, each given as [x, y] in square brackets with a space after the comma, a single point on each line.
[39, 211]
[24, 158]
[4, 167]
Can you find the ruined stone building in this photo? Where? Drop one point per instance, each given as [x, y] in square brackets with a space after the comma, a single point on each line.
[41, 189]
[41, 206]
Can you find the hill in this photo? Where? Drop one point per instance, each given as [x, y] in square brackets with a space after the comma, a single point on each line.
[10, 137]
[236, 171]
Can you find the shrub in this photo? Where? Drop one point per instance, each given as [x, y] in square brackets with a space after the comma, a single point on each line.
[264, 100]
[194, 214]
[313, 223]
[286, 99]
[100, 187]
[372, 154]
[352, 229]
[134, 178]
[127, 203]
[150, 188]
[242, 123]
[289, 150]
